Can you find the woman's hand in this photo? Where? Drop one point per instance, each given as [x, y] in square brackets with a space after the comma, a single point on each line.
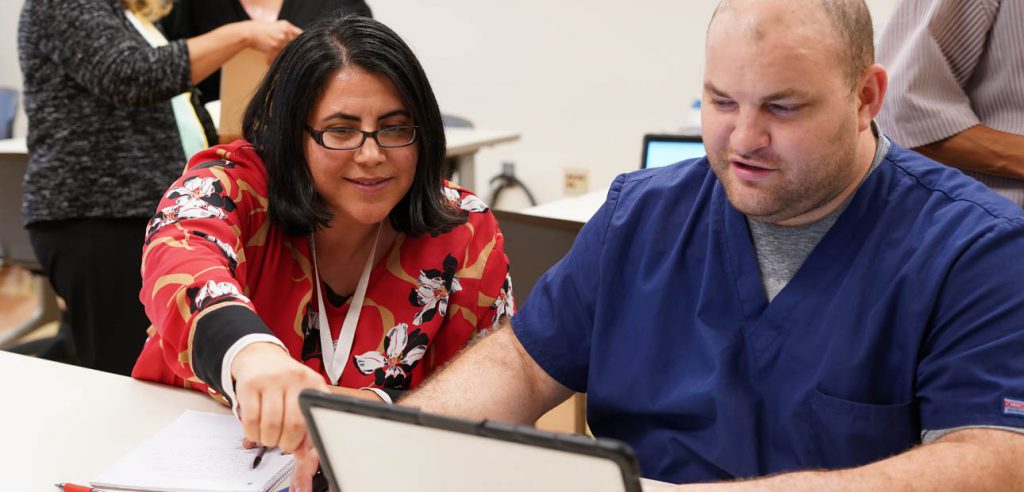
[207, 52]
[271, 36]
[267, 386]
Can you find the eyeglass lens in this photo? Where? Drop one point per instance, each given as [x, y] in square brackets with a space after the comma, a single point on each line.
[396, 136]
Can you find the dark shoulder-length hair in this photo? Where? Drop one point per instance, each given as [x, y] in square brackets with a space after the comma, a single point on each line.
[275, 119]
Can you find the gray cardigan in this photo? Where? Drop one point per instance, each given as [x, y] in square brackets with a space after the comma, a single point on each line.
[102, 138]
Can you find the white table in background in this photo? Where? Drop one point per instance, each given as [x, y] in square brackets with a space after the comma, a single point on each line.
[13, 146]
[574, 209]
[463, 144]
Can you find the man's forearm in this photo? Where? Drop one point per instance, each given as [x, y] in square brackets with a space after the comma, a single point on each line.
[971, 459]
[981, 149]
[493, 379]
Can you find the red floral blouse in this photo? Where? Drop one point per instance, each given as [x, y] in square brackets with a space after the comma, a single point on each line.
[212, 245]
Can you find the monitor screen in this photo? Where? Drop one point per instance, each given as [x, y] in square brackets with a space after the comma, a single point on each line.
[660, 152]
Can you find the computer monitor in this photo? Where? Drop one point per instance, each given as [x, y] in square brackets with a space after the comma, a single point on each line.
[662, 150]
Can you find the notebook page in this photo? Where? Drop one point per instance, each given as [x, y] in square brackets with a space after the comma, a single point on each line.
[198, 452]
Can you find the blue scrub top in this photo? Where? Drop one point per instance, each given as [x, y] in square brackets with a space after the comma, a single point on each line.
[908, 315]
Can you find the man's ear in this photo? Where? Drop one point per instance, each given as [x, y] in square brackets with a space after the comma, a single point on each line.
[870, 93]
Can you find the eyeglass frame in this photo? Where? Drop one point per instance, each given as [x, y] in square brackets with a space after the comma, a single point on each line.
[318, 136]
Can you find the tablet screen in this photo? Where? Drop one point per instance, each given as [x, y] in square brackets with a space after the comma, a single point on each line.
[373, 453]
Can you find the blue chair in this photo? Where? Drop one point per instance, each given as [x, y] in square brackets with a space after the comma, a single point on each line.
[8, 109]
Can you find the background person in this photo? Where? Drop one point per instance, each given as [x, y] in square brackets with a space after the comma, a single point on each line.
[110, 123]
[191, 18]
[261, 254]
[957, 95]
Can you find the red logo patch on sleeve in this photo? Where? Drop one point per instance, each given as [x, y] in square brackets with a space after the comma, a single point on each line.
[1013, 407]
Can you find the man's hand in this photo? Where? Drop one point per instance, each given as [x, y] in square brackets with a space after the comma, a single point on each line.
[307, 460]
[967, 459]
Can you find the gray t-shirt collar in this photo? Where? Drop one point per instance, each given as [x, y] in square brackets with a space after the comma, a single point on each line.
[780, 251]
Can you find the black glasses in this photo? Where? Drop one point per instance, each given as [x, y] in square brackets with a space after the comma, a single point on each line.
[349, 138]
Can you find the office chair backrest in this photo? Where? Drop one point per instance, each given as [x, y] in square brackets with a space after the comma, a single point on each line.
[8, 109]
[453, 121]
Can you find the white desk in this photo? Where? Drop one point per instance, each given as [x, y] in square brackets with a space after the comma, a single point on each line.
[575, 209]
[463, 144]
[65, 423]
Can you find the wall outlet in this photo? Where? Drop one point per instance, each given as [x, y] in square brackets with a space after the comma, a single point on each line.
[576, 181]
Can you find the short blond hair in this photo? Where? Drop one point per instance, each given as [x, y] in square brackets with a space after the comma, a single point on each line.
[851, 22]
[151, 10]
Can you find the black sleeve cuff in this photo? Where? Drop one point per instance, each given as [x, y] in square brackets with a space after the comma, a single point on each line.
[395, 394]
[216, 332]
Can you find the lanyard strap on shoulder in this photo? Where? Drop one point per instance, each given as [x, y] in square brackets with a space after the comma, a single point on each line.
[336, 357]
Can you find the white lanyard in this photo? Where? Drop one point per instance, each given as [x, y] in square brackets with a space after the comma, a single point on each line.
[336, 358]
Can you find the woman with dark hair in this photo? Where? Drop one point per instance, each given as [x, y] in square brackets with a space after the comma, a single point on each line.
[326, 251]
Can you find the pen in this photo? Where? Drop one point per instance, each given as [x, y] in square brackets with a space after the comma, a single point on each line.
[259, 457]
[70, 487]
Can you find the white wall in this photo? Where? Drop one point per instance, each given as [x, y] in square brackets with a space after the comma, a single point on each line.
[581, 80]
[10, 73]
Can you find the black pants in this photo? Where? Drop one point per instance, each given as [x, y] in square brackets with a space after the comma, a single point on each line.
[94, 265]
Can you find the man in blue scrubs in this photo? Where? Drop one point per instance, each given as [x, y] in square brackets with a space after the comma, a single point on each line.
[811, 302]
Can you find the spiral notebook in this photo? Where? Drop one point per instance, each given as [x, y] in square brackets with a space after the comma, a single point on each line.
[198, 452]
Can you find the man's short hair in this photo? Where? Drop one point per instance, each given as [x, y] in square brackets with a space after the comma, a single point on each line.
[851, 20]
